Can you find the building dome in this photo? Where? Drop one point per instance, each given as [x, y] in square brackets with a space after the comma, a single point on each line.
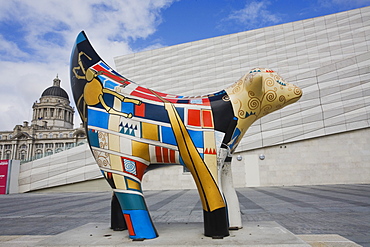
[54, 110]
[55, 91]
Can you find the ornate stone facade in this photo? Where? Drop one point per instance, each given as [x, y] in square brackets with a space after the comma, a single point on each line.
[51, 128]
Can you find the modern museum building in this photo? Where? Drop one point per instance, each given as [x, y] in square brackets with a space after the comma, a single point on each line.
[324, 138]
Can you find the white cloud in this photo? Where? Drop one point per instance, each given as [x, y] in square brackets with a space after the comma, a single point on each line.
[255, 15]
[46, 30]
[10, 49]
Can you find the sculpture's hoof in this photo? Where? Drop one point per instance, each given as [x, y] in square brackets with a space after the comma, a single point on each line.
[138, 239]
[217, 237]
[118, 229]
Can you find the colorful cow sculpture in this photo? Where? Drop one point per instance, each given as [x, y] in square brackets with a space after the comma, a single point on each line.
[130, 127]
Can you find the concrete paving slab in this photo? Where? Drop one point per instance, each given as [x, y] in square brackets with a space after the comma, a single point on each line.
[267, 233]
[21, 241]
[327, 240]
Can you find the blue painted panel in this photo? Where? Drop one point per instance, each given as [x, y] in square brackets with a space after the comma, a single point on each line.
[98, 118]
[108, 83]
[168, 136]
[141, 224]
[93, 138]
[197, 137]
[81, 37]
[127, 107]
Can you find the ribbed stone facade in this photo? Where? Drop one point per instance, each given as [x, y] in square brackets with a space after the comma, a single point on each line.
[328, 57]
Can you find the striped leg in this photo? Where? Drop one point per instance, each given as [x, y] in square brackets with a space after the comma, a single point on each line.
[126, 185]
[214, 207]
[135, 212]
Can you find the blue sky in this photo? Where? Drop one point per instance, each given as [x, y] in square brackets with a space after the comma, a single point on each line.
[36, 36]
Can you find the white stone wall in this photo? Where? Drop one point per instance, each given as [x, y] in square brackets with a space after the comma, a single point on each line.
[168, 178]
[328, 57]
[326, 133]
[335, 159]
[67, 167]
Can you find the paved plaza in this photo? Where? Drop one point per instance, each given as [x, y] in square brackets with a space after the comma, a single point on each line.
[303, 210]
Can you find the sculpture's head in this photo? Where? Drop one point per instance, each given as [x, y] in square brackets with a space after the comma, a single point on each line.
[258, 93]
[270, 90]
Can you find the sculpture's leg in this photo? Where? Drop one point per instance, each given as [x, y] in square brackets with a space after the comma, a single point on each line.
[117, 222]
[126, 185]
[233, 207]
[214, 208]
[136, 215]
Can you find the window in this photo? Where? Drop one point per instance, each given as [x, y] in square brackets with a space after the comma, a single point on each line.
[7, 146]
[23, 146]
[71, 135]
[49, 145]
[51, 135]
[10, 136]
[38, 154]
[23, 155]
[49, 152]
[39, 145]
[59, 145]
[7, 155]
[1, 137]
[40, 136]
[69, 145]
[61, 135]
[1, 147]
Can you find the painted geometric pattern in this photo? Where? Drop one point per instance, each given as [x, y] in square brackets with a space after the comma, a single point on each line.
[130, 166]
[161, 137]
[147, 137]
[327, 57]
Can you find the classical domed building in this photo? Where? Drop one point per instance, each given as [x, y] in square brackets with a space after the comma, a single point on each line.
[54, 108]
[51, 129]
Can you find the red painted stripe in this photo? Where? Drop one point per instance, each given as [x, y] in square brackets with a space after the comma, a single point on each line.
[165, 155]
[116, 78]
[140, 110]
[158, 154]
[206, 101]
[207, 119]
[109, 74]
[130, 228]
[172, 156]
[97, 67]
[194, 117]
